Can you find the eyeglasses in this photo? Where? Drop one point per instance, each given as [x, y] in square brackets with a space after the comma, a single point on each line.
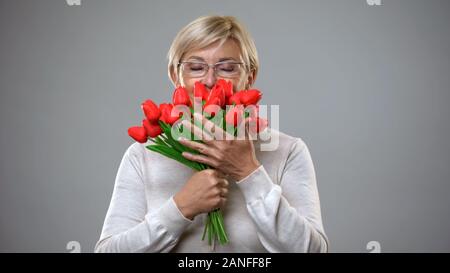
[221, 69]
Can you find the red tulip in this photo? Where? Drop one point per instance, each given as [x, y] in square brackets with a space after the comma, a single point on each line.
[248, 97]
[166, 113]
[234, 99]
[152, 129]
[227, 87]
[138, 133]
[181, 96]
[234, 114]
[208, 108]
[257, 125]
[200, 91]
[151, 110]
[252, 110]
[217, 92]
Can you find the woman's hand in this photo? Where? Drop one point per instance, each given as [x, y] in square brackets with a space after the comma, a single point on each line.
[205, 191]
[235, 158]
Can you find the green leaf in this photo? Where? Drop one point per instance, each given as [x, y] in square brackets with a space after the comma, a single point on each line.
[221, 227]
[159, 140]
[167, 151]
[174, 143]
[206, 228]
[216, 227]
[210, 232]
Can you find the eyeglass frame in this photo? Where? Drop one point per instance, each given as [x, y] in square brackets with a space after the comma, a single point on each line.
[211, 65]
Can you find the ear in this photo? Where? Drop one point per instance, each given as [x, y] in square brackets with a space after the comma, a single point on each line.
[174, 77]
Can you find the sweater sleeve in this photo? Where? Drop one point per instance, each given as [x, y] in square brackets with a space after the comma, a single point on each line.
[287, 216]
[128, 226]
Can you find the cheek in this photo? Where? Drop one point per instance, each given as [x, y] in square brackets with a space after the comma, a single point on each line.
[189, 85]
[238, 84]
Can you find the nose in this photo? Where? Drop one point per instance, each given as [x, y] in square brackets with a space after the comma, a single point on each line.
[210, 78]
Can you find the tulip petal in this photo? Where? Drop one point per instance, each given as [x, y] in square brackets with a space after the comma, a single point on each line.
[138, 133]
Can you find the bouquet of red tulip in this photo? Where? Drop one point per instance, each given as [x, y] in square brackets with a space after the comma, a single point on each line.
[227, 109]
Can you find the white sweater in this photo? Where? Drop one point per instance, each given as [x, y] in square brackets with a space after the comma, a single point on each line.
[274, 209]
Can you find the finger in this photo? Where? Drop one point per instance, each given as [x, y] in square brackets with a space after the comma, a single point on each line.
[222, 202]
[224, 192]
[224, 183]
[248, 133]
[198, 132]
[200, 158]
[208, 130]
[219, 133]
[198, 146]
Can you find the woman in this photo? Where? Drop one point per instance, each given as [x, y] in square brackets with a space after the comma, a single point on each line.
[269, 200]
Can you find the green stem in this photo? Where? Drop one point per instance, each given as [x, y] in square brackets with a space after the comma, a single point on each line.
[171, 148]
[206, 228]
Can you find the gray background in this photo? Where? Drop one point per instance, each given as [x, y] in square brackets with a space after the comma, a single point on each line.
[366, 87]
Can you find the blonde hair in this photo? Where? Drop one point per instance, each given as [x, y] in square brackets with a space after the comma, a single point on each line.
[207, 30]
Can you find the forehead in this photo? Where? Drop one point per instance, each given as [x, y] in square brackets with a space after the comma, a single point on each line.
[216, 52]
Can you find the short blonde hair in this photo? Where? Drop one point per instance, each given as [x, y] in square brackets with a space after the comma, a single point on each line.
[207, 30]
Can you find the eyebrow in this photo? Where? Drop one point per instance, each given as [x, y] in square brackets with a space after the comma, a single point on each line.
[197, 58]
